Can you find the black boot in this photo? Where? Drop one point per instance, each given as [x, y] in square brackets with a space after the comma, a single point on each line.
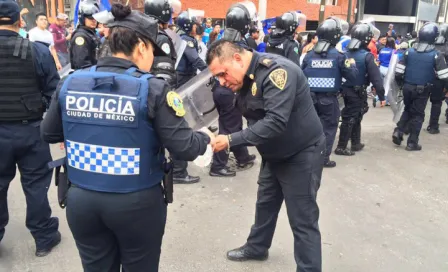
[433, 129]
[344, 135]
[356, 138]
[397, 136]
[244, 254]
[413, 147]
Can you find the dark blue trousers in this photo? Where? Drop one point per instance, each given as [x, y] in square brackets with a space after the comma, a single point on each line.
[21, 146]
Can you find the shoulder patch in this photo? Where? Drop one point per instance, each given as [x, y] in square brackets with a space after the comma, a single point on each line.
[190, 44]
[166, 48]
[279, 77]
[174, 101]
[80, 41]
[348, 62]
[254, 88]
[296, 49]
[267, 62]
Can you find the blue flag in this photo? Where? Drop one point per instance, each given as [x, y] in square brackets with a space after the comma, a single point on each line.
[104, 5]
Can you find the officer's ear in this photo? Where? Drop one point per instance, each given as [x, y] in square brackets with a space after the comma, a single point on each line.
[238, 59]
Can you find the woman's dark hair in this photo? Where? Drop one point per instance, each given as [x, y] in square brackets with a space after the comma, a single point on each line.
[299, 38]
[310, 37]
[122, 39]
[390, 43]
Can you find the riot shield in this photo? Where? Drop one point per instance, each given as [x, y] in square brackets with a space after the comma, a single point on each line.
[65, 71]
[198, 102]
[393, 91]
[179, 44]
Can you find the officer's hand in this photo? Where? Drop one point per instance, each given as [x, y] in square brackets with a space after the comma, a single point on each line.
[208, 132]
[61, 146]
[383, 103]
[221, 142]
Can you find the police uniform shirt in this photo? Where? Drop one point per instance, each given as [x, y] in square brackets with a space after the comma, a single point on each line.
[276, 101]
[373, 75]
[190, 61]
[47, 74]
[83, 48]
[287, 46]
[173, 131]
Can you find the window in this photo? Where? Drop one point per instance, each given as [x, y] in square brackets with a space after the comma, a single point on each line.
[327, 2]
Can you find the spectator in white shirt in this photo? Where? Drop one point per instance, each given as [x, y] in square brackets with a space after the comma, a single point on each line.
[42, 35]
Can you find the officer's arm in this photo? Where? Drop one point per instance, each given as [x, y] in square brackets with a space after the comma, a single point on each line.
[375, 76]
[194, 59]
[46, 71]
[348, 69]
[305, 61]
[293, 54]
[278, 102]
[441, 67]
[400, 69]
[173, 131]
[80, 52]
[51, 127]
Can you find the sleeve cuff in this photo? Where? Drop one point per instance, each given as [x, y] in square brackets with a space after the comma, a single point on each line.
[236, 139]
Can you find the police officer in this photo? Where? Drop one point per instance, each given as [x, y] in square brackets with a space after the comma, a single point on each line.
[84, 43]
[190, 61]
[238, 23]
[163, 66]
[281, 41]
[415, 72]
[274, 96]
[354, 92]
[29, 79]
[116, 126]
[437, 91]
[325, 67]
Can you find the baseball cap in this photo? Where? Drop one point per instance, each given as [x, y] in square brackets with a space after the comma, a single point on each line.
[142, 24]
[62, 16]
[9, 12]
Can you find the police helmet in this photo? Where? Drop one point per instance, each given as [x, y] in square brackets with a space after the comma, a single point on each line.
[362, 34]
[238, 18]
[330, 33]
[159, 9]
[288, 22]
[443, 36]
[86, 10]
[428, 33]
[187, 19]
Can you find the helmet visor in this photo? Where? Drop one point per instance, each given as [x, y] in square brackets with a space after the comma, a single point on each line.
[196, 15]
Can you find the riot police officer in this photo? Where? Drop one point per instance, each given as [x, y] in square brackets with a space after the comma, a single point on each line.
[29, 79]
[354, 92]
[281, 41]
[325, 67]
[437, 91]
[190, 61]
[163, 66]
[239, 19]
[84, 44]
[274, 96]
[415, 72]
[115, 146]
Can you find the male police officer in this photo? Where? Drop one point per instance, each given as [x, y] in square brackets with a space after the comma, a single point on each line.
[163, 66]
[415, 71]
[190, 61]
[84, 42]
[324, 67]
[354, 92]
[28, 77]
[281, 41]
[437, 91]
[284, 126]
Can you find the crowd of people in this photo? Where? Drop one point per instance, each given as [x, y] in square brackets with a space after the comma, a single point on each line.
[118, 112]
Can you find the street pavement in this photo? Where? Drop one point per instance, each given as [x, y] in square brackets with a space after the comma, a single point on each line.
[385, 209]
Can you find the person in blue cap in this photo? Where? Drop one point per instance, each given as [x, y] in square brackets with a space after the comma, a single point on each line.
[28, 79]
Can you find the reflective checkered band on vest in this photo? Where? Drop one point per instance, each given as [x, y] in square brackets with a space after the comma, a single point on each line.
[321, 82]
[103, 159]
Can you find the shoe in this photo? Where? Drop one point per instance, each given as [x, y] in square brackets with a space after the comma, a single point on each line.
[243, 253]
[329, 164]
[433, 130]
[186, 180]
[343, 152]
[357, 147]
[225, 172]
[397, 136]
[246, 165]
[46, 251]
[413, 147]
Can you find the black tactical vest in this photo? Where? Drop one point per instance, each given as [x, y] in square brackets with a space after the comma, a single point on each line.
[20, 96]
[164, 66]
[278, 50]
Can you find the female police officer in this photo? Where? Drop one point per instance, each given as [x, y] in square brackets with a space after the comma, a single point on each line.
[116, 120]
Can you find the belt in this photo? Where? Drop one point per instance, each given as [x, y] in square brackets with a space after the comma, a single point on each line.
[16, 122]
[327, 93]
